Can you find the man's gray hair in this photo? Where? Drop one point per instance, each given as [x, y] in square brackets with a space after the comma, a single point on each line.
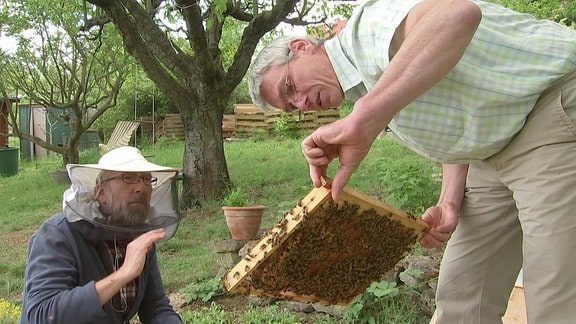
[100, 176]
[274, 54]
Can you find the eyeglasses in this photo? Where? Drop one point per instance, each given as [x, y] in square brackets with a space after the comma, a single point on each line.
[134, 179]
[290, 89]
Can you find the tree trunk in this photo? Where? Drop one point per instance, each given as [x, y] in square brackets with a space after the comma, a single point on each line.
[198, 84]
[70, 156]
[205, 170]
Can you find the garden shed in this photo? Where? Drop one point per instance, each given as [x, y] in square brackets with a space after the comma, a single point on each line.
[51, 126]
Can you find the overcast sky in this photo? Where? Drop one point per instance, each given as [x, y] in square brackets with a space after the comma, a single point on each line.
[7, 44]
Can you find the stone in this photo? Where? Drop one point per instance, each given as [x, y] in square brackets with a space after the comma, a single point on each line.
[333, 310]
[247, 247]
[261, 301]
[297, 306]
[229, 245]
[227, 259]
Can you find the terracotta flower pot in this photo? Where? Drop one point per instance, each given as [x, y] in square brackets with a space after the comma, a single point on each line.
[243, 222]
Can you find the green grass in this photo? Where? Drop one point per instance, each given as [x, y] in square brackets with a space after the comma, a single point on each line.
[272, 171]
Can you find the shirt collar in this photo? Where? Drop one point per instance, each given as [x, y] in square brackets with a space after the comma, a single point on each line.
[347, 74]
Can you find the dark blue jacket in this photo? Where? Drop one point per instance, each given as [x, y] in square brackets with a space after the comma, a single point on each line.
[63, 264]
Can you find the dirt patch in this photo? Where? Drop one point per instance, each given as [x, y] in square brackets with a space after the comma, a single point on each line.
[239, 304]
[16, 238]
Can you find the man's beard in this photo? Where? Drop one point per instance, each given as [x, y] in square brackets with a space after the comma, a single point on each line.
[131, 213]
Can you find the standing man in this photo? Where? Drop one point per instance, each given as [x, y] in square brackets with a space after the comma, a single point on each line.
[95, 262]
[489, 92]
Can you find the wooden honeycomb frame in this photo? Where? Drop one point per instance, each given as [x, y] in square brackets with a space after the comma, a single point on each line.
[325, 251]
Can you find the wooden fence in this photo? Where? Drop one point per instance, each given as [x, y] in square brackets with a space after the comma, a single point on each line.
[249, 119]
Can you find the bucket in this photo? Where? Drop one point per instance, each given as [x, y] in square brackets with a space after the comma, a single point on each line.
[8, 161]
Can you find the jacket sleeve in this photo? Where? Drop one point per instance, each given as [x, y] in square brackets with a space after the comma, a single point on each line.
[155, 307]
[52, 293]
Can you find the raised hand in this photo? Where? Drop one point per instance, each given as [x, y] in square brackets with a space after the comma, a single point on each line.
[136, 252]
[341, 139]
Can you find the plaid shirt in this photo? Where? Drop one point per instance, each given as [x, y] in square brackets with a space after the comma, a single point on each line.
[117, 251]
[476, 109]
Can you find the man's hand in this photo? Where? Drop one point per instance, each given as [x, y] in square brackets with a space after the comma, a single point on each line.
[342, 139]
[136, 252]
[442, 220]
[131, 268]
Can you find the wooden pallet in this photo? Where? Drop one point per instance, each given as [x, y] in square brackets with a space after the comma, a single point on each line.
[228, 125]
[325, 251]
[248, 118]
[251, 119]
[173, 126]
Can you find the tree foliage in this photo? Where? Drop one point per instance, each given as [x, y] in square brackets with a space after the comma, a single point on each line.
[197, 52]
[76, 75]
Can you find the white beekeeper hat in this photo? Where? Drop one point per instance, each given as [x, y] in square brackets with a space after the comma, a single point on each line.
[79, 201]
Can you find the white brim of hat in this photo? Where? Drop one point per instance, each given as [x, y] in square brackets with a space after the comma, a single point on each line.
[121, 159]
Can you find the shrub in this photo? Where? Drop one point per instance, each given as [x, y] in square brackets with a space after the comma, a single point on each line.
[285, 126]
[561, 11]
[383, 302]
[204, 290]
[411, 183]
[237, 197]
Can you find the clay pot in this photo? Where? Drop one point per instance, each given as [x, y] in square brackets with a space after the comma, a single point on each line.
[243, 222]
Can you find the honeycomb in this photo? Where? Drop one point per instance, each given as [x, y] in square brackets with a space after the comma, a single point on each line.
[326, 251]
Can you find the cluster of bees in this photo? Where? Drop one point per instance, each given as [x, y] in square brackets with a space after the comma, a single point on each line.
[330, 255]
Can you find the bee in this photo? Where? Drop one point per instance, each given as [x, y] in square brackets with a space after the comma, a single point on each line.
[304, 215]
[297, 217]
[275, 239]
[281, 232]
[248, 284]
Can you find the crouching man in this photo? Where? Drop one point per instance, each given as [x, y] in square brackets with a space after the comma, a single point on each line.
[95, 262]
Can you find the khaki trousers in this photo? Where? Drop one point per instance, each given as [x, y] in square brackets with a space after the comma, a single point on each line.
[519, 211]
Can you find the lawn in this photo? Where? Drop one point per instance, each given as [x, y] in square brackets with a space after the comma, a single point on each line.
[272, 170]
